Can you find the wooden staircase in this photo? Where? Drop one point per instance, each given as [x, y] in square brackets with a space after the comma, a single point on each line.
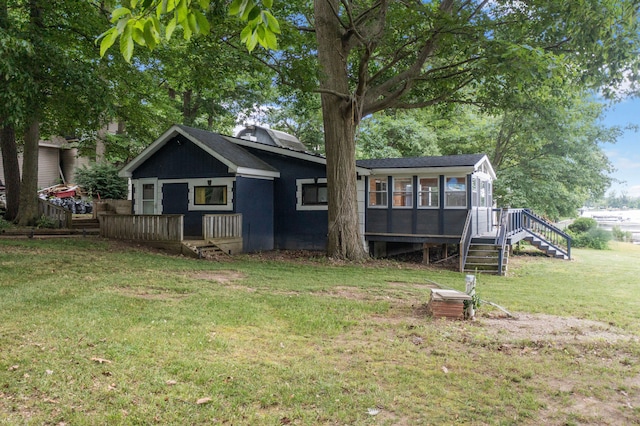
[202, 249]
[490, 253]
[545, 247]
[90, 226]
[485, 258]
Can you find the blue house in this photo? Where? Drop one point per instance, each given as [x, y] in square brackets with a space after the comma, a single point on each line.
[280, 190]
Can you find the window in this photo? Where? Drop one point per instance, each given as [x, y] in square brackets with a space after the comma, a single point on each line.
[378, 192]
[428, 192]
[403, 192]
[148, 198]
[314, 194]
[483, 193]
[210, 195]
[455, 191]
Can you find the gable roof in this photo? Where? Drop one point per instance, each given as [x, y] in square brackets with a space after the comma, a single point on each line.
[444, 163]
[235, 157]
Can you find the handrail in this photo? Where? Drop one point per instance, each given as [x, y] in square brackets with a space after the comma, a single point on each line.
[59, 215]
[465, 240]
[501, 238]
[548, 233]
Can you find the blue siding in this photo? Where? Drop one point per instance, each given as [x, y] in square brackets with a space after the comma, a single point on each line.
[181, 159]
[254, 199]
[175, 200]
[295, 229]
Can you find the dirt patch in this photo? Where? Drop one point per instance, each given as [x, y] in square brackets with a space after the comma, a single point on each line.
[150, 293]
[221, 277]
[542, 327]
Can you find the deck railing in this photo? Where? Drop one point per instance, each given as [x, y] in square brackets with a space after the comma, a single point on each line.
[142, 227]
[222, 225]
[465, 240]
[524, 220]
[58, 215]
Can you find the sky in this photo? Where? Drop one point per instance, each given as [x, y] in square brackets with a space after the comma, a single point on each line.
[625, 153]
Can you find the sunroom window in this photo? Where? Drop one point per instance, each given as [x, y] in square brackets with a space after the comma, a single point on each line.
[428, 192]
[378, 192]
[455, 191]
[403, 192]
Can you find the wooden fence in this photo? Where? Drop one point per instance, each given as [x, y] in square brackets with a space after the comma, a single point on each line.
[222, 225]
[142, 227]
[58, 215]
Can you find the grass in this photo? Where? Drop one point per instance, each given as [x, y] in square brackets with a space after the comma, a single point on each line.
[93, 332]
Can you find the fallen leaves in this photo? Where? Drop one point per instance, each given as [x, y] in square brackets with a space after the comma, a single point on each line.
[203, 401]
[100, 360]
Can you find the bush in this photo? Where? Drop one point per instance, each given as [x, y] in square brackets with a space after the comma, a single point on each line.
[620, 235]
[102, 180]
[583, 224]
[595, 238]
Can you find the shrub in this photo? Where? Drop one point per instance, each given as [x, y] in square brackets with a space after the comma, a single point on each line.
[583, 224]
[595, 238]
[620, 235]
[102, 180]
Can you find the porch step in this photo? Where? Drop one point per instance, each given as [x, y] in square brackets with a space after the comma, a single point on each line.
[90, 225]
[483, 258]
[202, 249]
[548, 249]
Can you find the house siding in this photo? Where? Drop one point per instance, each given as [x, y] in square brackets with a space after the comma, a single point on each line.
[295, 229]
[179, 158]
[255, 200]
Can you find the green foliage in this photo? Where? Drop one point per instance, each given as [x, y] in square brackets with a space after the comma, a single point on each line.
[102, 180]
[583, 224]
[147, 23]
[393, 135]
[4, 224]
[585, 233]
[594, 238]
[620, 235]
[45, 222]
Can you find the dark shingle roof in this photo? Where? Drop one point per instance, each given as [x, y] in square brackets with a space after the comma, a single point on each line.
[420, 162]
[232, 152]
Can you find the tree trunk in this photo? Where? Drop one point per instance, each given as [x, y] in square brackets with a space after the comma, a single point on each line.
[11, 167]
[341, 118]
[28, 209]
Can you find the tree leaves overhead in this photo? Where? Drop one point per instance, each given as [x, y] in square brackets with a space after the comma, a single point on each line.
[147, 23]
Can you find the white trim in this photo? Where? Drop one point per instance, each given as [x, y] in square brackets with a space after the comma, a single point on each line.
[261, 174]
[437, 178]
[299, 205]
[175, 130]
[466, 193]
[157, 202]
[393, 192]
[422, 171]
[368, 192]
[213, 181]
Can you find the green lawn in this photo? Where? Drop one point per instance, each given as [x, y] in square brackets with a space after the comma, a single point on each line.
[93, 332]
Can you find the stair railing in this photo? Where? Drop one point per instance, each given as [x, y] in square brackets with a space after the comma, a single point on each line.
[465, 240]
[548, 233]
[501, 238]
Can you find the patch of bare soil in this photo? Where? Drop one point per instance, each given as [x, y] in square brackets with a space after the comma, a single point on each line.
[221, 277]
[542, 327]
[149, 293]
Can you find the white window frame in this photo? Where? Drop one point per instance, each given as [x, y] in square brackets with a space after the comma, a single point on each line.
[437, 192]
[299, 184]
[193, 183]
[402, 194]
[157, 202]
[466, 184]
[384, 179]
